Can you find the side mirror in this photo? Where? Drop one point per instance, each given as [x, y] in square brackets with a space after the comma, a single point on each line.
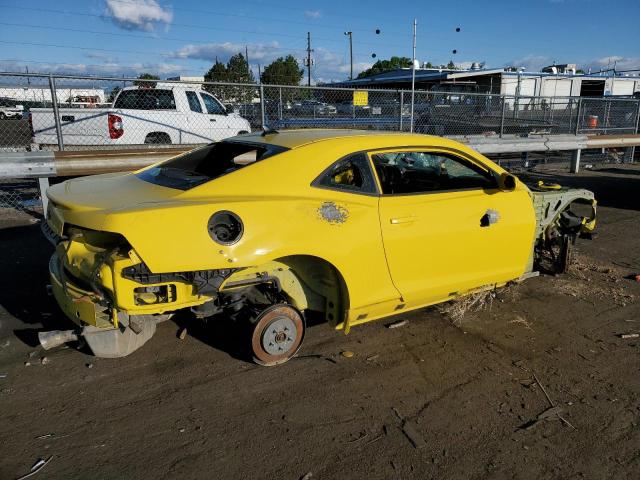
[229, 109]
[507, 182]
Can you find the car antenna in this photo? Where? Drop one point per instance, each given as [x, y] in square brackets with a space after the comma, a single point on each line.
[268, 131]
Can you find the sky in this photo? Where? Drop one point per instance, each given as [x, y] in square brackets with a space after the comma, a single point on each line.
[184, 37]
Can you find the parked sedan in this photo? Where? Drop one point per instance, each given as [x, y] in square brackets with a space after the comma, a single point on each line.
[9, 109]
[270, 229]
[312, 108]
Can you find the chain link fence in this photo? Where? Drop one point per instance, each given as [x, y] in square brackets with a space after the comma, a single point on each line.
[64, 112]
[82, 113]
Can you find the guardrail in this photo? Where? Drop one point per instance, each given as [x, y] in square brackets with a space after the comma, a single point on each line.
[63, 164]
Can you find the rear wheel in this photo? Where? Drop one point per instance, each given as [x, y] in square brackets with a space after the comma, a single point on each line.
[276, 334]
[157, 138]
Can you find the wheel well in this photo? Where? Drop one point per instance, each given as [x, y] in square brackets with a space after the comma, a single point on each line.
[157, 137]
[323, 285]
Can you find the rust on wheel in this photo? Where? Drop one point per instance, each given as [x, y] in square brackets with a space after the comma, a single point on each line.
[277, 334]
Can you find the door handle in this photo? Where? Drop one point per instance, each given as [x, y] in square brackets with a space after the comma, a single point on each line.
[489, 218]
[399, 220]
[212, 119]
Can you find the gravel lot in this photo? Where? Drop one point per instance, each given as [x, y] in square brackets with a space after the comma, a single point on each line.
[431, 399]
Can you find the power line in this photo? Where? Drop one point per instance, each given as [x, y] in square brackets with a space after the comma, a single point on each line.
[201, 27]
[71, 64]
[120, 34]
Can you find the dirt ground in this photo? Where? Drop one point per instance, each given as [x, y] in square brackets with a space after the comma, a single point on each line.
[430, 399]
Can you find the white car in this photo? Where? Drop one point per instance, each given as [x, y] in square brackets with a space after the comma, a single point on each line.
[165, 114]
[9, 109]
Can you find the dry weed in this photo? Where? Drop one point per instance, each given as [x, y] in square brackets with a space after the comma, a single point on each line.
[457, 309]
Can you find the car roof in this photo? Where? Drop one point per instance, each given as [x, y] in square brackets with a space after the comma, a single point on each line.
[298, 138]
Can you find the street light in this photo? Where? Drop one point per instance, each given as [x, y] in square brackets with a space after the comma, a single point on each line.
[350, 52]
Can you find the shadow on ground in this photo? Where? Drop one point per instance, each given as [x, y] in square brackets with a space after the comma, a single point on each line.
[616, 187]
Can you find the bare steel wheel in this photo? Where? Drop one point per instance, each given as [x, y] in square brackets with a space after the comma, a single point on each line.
[276, 334]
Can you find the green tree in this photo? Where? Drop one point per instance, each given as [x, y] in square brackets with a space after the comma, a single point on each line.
[451, 65]
[146, 76]
[382, 66]
[217, 73]
[235, 71]
[114, 93]
[283, 71]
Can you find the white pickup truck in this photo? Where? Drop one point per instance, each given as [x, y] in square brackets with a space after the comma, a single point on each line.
[165, 114]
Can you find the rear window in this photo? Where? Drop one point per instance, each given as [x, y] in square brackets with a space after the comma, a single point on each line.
[146, 99]
[207, 163]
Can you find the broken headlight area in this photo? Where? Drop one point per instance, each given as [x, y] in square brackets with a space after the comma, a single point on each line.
[205, 282]
[154, 294]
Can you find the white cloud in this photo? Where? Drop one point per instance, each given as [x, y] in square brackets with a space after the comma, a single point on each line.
[532, 63]
[312, 14]
[223, 51]
[138, 14]
[111, 69]
[620, 63]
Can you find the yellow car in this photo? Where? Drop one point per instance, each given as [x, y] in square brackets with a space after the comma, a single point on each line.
[272, 227]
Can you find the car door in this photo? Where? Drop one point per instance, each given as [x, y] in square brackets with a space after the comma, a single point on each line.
[446, 226]
[199, 130]
[219, 125]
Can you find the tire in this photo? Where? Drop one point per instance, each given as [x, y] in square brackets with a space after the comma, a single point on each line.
[566, 254]
[158, 138]
[276, 334]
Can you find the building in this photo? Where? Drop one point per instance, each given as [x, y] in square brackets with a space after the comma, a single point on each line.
[553, 81]
[43, 94]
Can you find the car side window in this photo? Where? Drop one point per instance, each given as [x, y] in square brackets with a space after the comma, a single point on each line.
[352, 173]
[212, 105]
[423, 172]
[194, 103]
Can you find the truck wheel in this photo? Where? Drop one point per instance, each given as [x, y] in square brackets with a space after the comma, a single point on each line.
[157, 138]
[276, 334]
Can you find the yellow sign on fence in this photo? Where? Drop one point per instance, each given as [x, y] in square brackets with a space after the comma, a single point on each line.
[360, 98]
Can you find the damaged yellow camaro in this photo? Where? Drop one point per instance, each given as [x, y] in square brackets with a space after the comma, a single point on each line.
[270, 228]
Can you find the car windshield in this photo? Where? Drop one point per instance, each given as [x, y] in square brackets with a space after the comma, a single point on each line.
[207, 163]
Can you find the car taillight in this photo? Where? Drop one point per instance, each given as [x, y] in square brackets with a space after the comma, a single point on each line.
[116, 130]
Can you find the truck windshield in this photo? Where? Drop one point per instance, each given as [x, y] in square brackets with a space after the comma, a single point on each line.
[207, 163]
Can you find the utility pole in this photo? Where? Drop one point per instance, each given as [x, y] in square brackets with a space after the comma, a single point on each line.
[246, 57]
[413, 70]
[309, 50]
[350, 53]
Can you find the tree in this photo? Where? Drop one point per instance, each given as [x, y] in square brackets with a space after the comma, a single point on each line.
[146, 76]
[451, 65]
[235, 71]
[114, 93]
[382, 66]
[217, 73]
[283, 71]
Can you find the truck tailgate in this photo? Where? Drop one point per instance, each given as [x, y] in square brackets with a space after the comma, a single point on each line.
[80, 126]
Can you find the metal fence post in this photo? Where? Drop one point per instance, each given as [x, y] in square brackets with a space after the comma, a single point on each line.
[635, 130]
[262, 112]
[578, 116]
[43, 185]
[56, 115]
[401, 107]
[575, 161]
[504, 108]
[280, 104]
